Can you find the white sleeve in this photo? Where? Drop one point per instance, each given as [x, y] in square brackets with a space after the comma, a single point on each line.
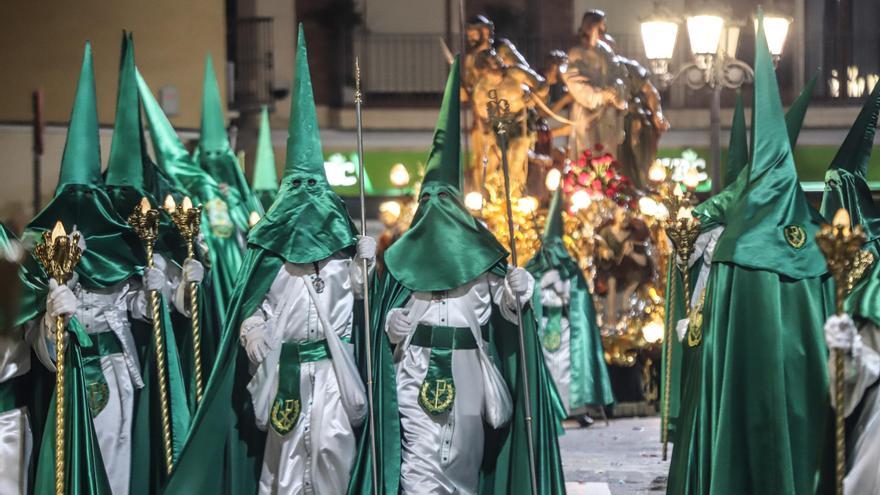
[503, 295]
[37, 332]
[356, 273]
[861, 371]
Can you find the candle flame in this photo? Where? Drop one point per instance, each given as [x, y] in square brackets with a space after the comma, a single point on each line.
[58, 231]
[145, 205]
[841, 218]
[684, 213]
[187, 203]
[253, 219]
[677, 192]
[170, 205]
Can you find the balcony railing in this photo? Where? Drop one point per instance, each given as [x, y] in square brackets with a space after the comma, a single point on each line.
[254, 65]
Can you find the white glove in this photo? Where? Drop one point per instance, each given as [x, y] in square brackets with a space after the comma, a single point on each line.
[255, 339]
[193, 271]
[841, 333]
[366, 248]
[398, 326]
[61, 301]
[202, 244]
[550, 279]
[154, 279]
[518, 280]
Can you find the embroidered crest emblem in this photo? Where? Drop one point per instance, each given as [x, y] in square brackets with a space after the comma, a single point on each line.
[437, 395]
[695, 325]
[285, 413]
[219, 219]
[795, 235]
[552, 341]
[98, 395]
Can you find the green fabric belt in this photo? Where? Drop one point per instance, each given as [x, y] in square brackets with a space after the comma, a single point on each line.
[437, 393]
[9, 398]
[287, 405]
[446, 337]
[103, 344]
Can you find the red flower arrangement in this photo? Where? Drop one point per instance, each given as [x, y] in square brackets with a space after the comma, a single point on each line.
[597, 172]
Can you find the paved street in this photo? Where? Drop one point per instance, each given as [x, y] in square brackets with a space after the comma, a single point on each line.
[620, 459]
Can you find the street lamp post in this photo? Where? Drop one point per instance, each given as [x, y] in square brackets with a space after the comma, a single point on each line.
[713, 40]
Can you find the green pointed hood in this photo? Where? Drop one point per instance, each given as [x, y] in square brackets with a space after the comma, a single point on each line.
[81, 203]
[213, 137]
[445, 246]
[846, 184]
[552, 255]
[265, 177]
[215, 155]
[771, 226]
[307, 222]
[171, 156]
[738, 149]
[81, 161]
[794, 117]
[125, 167]
[711, 211]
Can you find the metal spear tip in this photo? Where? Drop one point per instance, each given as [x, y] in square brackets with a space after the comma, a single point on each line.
[170, 204]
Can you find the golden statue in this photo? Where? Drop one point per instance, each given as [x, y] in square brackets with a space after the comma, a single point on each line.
[517, 87]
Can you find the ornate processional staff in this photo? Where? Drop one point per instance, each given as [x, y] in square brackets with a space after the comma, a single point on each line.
[188, 218]
[59, 254]
[501, 119]
[847, 262]
[368, 351]
[682, 229]
[145, 222]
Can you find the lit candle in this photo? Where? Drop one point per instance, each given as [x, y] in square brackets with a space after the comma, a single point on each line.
[145, 205]
[187, 203]
[842, 220]
[170, 205]
[58, 231]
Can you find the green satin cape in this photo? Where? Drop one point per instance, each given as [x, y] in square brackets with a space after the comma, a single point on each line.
[764, 412]
[590, 383]
[505, 460]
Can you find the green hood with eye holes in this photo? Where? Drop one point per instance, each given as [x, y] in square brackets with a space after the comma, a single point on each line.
[445, 246]
[307, 222]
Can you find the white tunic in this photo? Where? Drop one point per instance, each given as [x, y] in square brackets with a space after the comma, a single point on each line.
[442, 454]
[862, 373]
[16, 442]
[100, 311]
[558, 360]
[317, 455]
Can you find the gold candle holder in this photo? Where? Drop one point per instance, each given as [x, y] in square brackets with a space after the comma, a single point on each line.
[145, 222]
[188, 218]
[682, 229]
[59, 255]
[847, 262]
